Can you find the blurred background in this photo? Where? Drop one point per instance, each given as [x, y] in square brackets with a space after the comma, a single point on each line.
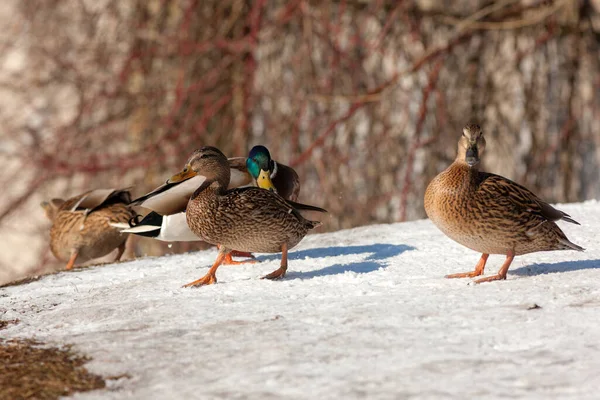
[365, 99]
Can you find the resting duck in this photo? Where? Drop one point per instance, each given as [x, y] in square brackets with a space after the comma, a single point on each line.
[87, 226]
[489, 213]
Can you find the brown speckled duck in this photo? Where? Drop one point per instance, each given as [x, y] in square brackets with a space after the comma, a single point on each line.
[167, 221]
[489, 213]
[88, 226]
[248, 219]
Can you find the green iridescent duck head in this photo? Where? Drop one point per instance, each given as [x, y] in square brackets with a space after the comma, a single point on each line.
[260, 166]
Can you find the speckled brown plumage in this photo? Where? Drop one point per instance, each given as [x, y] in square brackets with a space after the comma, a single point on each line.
[81, 226]
[489, 213]
[247, 219]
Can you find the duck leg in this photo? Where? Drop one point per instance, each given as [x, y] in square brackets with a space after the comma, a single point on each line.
[230, 261]
[120, 253]
[234, 253]
[71, 262]
[210, 276]
[478, 269]
[503, 270]
[279, 272]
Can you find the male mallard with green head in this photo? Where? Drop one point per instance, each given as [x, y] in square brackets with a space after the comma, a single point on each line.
[248, 219]
[489, 213]
[88, 226]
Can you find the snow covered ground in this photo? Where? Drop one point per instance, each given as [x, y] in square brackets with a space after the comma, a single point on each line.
[362, 313]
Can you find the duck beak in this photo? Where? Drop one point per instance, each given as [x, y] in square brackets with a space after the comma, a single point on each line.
[264, 181]
[472, 156]
[184, 175]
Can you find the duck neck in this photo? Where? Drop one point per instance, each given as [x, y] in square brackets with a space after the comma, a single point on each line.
[469, 176]
[210, 188]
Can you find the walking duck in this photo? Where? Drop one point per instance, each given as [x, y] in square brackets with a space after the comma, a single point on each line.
[167, 221]
[489, 213]
[87, 226]
[248, 219]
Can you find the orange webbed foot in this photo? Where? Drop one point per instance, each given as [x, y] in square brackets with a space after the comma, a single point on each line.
[471, 274]
[491, 278]
[279, 273]
[207, 279]
[479, 268]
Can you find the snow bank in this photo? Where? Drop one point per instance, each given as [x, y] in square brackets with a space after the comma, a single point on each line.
[362, 313]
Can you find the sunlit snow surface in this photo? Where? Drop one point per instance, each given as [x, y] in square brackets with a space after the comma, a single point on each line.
[362, 313]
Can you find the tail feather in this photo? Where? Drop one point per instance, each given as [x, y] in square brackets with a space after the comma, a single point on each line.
[307, 207]
[119, 225]
[144, 230]
[568, 245]
[148, 226]
[313, 224]
[567, 217]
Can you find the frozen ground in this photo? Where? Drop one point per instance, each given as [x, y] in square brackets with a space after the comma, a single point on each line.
[363, 313]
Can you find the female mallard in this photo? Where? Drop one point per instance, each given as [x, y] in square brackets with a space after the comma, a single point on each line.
[87, 226]
[248, 219]
[167, 221]
[489, 213]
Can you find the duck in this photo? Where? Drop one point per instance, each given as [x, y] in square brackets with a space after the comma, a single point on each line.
[167, 220]
[87, 226]
[491, 214]
[249, 219]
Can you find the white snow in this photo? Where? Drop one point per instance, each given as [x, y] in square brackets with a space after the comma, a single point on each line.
[362, 313]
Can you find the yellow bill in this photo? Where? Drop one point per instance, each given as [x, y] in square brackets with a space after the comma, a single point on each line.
[264, 181]
[184, 175]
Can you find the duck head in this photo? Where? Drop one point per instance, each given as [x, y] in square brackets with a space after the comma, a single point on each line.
[51, 207]
[208, 162]
[471, 145]
[261, 166]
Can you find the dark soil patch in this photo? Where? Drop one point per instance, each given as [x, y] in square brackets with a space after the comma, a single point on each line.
[30, 371]
[4, 324]
[23, 281]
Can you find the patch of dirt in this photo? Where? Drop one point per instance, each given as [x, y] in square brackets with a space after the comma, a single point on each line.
[30, 371]
[4, 324]
[22, 281]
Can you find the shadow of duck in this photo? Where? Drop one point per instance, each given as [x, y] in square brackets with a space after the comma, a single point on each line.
[553, 268]
[377, 254]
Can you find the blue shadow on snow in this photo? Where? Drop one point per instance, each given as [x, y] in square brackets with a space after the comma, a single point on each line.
[379, 251]
[547, 268]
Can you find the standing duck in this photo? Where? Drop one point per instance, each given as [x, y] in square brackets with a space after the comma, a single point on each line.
[87, 226]
[167, 221]
[248, 219]
[489, 213]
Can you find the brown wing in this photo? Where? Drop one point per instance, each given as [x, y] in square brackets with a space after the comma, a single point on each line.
[239, 173]
[264, 201]
[518, 199]
[287, 182]
[94, 199]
